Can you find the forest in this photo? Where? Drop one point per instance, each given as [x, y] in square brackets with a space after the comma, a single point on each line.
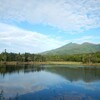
[25, 57]
[85, 58]
[28, 57]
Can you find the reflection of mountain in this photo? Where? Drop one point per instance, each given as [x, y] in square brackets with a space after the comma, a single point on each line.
[75, 74]
[86, 74]
[22, 68]
[48, 84]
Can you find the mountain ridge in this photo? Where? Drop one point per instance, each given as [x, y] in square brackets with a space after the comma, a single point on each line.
[74, 48]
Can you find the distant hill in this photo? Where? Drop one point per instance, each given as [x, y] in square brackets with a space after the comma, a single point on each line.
[73, 48]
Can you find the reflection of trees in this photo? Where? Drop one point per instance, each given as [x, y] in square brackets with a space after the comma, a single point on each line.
[75, 74]
[10, 98]
[2, 95]
[8, 69]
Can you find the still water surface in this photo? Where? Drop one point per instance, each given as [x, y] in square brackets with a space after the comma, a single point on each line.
[49, 82]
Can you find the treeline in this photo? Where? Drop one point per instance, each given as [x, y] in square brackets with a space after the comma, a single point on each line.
[27, 57]
[85, 58]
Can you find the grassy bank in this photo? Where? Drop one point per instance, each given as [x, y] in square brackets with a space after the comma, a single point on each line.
[64, 63]
[49, 62]
[21, 63]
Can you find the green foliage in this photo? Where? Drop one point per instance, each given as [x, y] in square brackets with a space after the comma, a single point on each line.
[26, 57]
[85, 58]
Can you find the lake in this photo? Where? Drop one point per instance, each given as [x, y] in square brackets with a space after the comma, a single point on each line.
[49, 82]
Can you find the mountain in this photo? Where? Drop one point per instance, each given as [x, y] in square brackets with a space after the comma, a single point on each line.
[74, 48]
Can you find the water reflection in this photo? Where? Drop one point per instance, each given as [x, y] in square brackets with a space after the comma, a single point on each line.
[64, 97]
[10, 69]
[87, 74]
[48, 82]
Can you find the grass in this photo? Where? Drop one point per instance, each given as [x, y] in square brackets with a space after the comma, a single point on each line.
[50, 62]
[21, 63]
[64, 62]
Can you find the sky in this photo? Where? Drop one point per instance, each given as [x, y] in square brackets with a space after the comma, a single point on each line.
[39, 25]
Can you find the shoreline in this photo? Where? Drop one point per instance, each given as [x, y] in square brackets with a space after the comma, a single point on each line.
[50, 63]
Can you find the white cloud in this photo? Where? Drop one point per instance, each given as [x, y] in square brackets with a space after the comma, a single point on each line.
[68, 15]
[17, 40]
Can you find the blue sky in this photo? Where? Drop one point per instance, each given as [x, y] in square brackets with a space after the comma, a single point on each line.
[39, 25]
